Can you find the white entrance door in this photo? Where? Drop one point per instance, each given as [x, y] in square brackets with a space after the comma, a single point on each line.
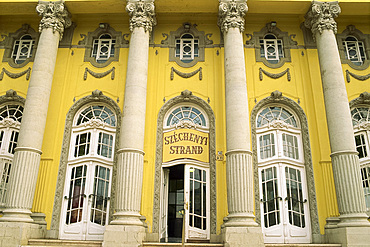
[197, 203]
[284, 205]
[164, 205]
[85, 206]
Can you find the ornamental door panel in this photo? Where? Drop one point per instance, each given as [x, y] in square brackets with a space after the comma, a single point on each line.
[164, 205]
[86, 202]
[284, 204]
[197, 203]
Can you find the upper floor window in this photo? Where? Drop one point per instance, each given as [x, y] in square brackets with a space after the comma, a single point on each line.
[361, 123]
[23, 49]
[187, 48]
[103, 48]
[354, 50]
[271, 48]
[10, 121]
[186, 116]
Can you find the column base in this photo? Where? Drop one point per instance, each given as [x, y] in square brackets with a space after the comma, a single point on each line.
[123, 236]
[240, 220]
[239, 236]
[127, 219]
[354, 220]
[348, 236]
[17, 215]
[14, 234]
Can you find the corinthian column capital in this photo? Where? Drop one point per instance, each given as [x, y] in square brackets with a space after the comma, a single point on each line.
[231, 14]
[54, 15]
[321, 16]
[142, 14]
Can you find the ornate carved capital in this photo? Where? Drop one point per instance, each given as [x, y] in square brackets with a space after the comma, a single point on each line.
[321, 16]
[142, 14]
[54, 15]
[231, 14]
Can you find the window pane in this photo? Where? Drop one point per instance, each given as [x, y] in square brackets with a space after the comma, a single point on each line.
[82, 144]
[290, 146]
[361, 145]
[267, 146]
[105, 145]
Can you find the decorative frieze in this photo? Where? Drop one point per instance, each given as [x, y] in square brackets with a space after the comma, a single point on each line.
[231, 14]
[54, 15]
[141, 14]
[27, 72]
[321, 16]
[348, 78]
[186, 75]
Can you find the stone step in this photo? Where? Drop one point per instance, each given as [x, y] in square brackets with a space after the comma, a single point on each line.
[303, 245]
[62, 243]
[147, 244]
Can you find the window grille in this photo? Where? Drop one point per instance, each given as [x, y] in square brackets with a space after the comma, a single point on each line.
[187, 48]
[186, 113]
[23, 49]
[354, 50]
[272, 48]
[103, 48]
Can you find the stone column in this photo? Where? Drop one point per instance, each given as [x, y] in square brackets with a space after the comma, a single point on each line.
[240, 222]
[23, 176]
[131, 155]
[345, 161]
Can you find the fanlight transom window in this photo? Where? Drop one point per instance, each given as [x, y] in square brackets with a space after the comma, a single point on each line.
[103, 48]
[274, 113]
[188, 114]
[23, 49]
[361, 124]
[187, 48]
[354, 50]
[271, 48]
[97, 112]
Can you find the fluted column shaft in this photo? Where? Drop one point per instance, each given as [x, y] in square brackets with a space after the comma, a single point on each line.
[131, 155]
[239, 166]
[346, 168]
[24, 170]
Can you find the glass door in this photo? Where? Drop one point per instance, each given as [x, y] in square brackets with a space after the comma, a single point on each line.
[86, 202]
[197, 204]
[284, 205]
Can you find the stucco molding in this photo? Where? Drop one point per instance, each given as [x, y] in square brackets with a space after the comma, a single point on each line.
[321, 17]
[186, 75]
[27, 72]
[170, 42]
[12, 96]
[231, 14]
[8, 44]
[188, 97]
[351, 30]
[87, 43]
[96, 97]
[277, 98]
[142, 14]
[363, 98]
[358, 77]
[285, 37]
[274, 76]
[54, 15]
[100, 75]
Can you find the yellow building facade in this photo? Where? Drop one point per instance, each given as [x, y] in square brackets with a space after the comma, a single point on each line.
[211, 109]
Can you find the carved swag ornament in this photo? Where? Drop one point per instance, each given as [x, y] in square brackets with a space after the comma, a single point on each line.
[54, 15]
[321, 16]
[142, 14]
[231, 14]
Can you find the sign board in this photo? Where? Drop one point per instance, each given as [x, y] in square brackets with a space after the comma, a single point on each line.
[185, 144]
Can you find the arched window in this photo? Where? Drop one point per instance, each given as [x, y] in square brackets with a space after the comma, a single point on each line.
[187, 48]
[23, 49]
[89, 173]
[282, 179]
[103, 48]
[186, 115]
[271, 48]
[354, 50]
[10, 122]
[361, 124]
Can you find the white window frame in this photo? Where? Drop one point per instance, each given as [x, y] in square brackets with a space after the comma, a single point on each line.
[18, 56]
[276, 44]
[182, 43]
[99, 44]
[360, 57]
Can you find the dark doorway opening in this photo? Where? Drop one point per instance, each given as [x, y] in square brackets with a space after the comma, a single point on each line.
[175, 203]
